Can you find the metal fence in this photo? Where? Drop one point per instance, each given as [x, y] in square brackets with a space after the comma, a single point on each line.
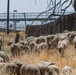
[3, 27]
[66, 22]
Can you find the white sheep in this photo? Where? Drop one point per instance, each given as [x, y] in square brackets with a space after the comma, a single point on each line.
[42, 46]
[53, 43]
[32, 46]
[62, 45]
[66, 70]
[54, 70]
[5, 56]
[74, 42]
[41, 39]
[1, 59]
[1, 65]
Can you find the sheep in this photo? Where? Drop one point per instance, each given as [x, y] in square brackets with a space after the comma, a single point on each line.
[51, 65]
[44, 69]
[62, 45]
[47, 63]
[74, 42]
[9, 43]
[14, 50]
[66, 70]
[3, 69]
[71, 36]
[5, 56]
[39, 47]
[29, 39]
[65, 31]
[36, 48]
[42, 46]
[1, 65]
[1, 59]
[23, 42]
[53, 43]
[14, 67]
[19, 64]
[54, 69]
[26, 49]
[32, 45]
[29, 69]
[11, 68]
[49, 38]
[20, 49]
[64, 41]
[40, 39]
[17, 50]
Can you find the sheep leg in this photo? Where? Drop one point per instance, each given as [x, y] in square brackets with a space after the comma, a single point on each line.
[61, 52]
[75, 45]
[48, 47]
[18, 54]
[51, 73]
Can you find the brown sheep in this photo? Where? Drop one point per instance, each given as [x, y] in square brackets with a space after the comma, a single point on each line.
[29, 69]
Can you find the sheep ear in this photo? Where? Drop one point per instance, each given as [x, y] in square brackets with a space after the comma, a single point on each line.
[52, 63]
[71, 71]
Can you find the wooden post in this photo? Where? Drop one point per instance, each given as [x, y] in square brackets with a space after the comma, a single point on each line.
[3, 43]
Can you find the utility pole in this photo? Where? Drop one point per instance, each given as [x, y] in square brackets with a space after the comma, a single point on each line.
[8, 16]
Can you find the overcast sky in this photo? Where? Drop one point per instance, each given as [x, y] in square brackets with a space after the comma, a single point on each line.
[25, 6]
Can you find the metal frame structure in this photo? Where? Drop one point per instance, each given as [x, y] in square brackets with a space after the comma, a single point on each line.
[28, 17]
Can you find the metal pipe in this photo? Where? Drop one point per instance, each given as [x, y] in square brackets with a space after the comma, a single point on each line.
[8, 16]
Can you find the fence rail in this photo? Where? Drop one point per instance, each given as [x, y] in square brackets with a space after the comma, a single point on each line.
[26, 16]
[32, 17]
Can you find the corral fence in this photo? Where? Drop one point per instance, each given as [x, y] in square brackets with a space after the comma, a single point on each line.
[66, 22]
[3, 28]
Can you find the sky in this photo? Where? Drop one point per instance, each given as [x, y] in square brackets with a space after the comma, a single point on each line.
[23, 5]
[26, 6]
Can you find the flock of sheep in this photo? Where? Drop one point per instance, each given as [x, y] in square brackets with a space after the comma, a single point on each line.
[41, 68]
[59, 41]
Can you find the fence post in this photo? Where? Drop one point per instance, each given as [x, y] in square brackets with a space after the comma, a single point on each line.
[25, 24]
[2, 45]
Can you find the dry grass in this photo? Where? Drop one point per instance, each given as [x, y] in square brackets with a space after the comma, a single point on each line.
[50, 55]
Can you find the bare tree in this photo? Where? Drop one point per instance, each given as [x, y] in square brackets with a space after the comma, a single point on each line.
[75, 5]
[56, 6]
